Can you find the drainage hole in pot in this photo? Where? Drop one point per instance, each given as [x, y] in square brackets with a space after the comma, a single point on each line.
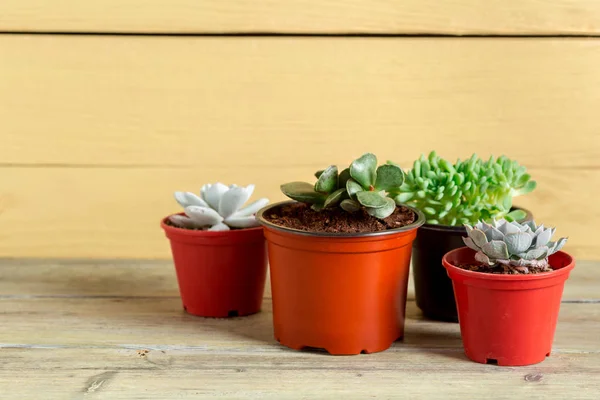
[491, 361]
[233, 313]
[184, 308]
[364, 351]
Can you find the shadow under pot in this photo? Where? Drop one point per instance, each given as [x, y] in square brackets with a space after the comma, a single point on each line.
[433, 288]
[341, 292]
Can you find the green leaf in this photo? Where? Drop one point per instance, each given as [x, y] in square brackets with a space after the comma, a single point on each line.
[429, 210]
[371, 199]
[334, 198]
[517, 215]
[404, 197]
[530, 186]
[363, 170]
[353, 187]
[389, 177]
[317, 207]
[385, 211]
[350, 205]
[328, 180]
[303, 192]
[343, 178]
[318, 173]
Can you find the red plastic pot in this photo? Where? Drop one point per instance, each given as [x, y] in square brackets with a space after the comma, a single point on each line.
[507, 320]
[220, 274]
[345, 293]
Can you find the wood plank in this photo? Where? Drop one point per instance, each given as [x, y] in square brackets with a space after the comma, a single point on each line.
[33, 278]
[421, 374]
[460, 17]
[115, 212]
[161, 323]
[242, 103]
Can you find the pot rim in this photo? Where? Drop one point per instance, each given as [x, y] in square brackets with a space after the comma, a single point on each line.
[462, 229]
[190, 232]
[506, 277]
[259, 216]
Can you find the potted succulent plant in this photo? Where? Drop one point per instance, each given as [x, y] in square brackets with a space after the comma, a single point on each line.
[451, 195]
[218, 250]
[508, 284]
[339, 258]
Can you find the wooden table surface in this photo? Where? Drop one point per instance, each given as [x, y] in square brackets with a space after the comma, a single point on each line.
[116, 330]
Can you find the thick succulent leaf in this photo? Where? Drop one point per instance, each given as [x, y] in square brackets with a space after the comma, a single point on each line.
[389, 177]
[507, 227]
[539, 229]
[404, 197]
[214, 193]
[371, 199]
[189, 199]
[535, 254]
[350, 205]
[203, 216]
[353, 187]
[182, 221]
[328, 180]
[518, 242]
[317, 207]
[469, 242]
[335, 197]
[318, 173]
[478, 237]
[529, 186]
[303, 192]
[232, 200]
[495, 250]
[531, 225]
[469, 228]
[543, 238]
[242, 222]
[343, 178]
[494, 234]
[252, 208]
[517, 215]
[482, 258]
[559, 245]
[364, 170]
[385, 211]
[219, 227]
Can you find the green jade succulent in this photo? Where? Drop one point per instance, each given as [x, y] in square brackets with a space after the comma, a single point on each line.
[363, 184]
[513, 246]
[465, 192]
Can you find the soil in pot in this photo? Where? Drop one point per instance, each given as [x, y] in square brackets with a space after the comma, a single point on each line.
[220, 274]
[433, 289]
[341, 291]
[335, 220]
[507, 319]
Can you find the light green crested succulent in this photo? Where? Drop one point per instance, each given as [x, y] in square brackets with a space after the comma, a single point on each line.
[510, 243]
[467, 191]
[363, 184]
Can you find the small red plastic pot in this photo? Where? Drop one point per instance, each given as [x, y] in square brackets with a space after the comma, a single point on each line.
[507, 320]
[220, 274]
[345, 293]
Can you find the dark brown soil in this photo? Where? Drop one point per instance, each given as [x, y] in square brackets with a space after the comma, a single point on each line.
[503, 269]
[335, 220]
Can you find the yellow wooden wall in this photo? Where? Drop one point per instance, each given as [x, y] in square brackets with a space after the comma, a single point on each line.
[98, 130]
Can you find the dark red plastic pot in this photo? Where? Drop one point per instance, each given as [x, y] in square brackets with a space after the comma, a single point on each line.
[433, 289]
[507, 320]
[220, 274]
[345, 293]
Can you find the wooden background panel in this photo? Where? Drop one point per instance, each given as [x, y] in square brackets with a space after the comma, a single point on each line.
[461, 17]
[246, 102]
[115, 212]
[97, 132]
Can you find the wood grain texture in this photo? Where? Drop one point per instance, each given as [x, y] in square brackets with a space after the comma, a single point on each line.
[90, 336]
[106, 128]
[462, 17]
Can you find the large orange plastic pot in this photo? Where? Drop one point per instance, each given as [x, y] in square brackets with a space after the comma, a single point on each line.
[507, 320]
[345, 293]
[220, 274]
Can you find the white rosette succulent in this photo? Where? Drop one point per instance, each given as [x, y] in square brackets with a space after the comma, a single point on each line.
[521, 246]
[218, 208]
